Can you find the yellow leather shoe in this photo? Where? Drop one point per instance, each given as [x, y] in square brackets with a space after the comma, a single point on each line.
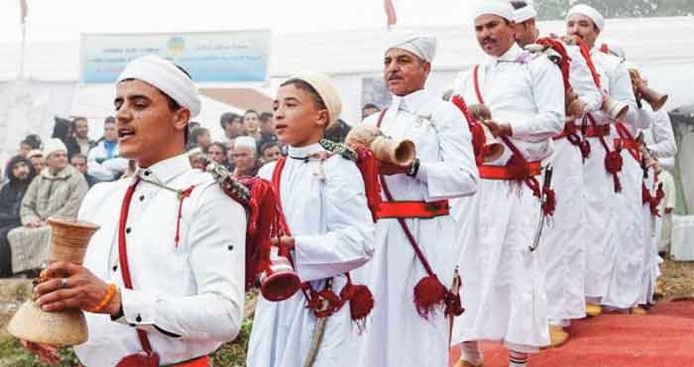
[464, 363]
[557, 336]
[593, 310]
[638, 310]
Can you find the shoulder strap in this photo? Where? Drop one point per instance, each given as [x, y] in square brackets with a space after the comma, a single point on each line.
[380, 117]
[476, 81]
[123, 258]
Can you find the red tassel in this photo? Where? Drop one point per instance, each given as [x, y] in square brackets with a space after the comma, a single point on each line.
[361, 302]
[368, 166]
[659, 195]
[517, 168]
[550, 202]
[454, 306]
[428, 294]
[613, 165]
[479, 140]
[645, 195]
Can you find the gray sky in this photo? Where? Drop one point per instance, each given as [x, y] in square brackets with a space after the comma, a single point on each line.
[66, 19]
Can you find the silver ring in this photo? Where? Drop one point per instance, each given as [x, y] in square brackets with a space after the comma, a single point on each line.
[63, 282]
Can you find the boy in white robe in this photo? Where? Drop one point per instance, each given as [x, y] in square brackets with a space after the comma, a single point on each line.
[331, 231]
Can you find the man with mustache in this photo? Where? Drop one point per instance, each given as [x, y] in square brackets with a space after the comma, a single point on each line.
[414, 238]
[564, 253]
[616, 250]
[19, 172]
[503, 280]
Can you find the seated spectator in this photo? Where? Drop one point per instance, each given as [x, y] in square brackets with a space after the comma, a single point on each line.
[30, 142]
[55, 192]
[38, 161]
[368, 110]
[79, 142]
[232, 125]
[200, 137]
[79, 161]
[245, 157]
[337, 132]
[197, 158]
[104, 162]
[19, 172]
[251, 125]
[270, 152]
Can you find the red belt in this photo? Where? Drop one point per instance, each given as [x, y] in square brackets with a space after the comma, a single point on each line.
[203, 361]
[413, 209]
[569, 129]
[505, 173]
[597, 131]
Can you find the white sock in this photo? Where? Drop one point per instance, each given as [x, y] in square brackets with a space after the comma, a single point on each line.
[471, 352]
[517, 359]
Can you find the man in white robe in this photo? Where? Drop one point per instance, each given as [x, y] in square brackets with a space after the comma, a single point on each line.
[503, 279]
[564, 252]
[183, 239]
[322, 195]
[616, 248]
[398, 335]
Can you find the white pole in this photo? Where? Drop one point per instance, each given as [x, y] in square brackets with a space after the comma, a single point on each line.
[22, 51]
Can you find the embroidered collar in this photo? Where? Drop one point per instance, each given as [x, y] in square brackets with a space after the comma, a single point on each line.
[307, 153]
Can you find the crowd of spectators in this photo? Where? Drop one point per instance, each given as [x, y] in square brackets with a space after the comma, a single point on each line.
[51, 178]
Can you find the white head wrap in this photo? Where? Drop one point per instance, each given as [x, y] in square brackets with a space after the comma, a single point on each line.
[590, 12]
[245, 142]
[501, 8]
[53, 145]
[326, 90]
[520, 15]
[167, 77]
[422, 45]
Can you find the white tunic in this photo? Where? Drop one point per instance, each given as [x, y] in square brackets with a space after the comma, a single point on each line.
[503, 282]
[397, 335]
[326, 211]
[601, 201]
[194, 290]
[564, 250]
[660, 141]
[626, 260]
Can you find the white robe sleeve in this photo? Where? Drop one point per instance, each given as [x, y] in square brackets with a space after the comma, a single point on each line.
[581, 80]
[455, 174]
[664, 145]
[548, 91]
[621, 90]
[348, 242]
[217, 246]
[96, 169]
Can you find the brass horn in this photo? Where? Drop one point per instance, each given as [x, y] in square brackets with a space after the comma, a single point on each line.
[493, 148]
[69, 239]
[642, 91]
[386, 149]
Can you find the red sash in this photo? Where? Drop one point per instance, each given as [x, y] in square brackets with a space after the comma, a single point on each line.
[413, 209]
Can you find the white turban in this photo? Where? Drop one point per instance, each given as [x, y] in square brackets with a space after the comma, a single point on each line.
[527, 12]
[326, 90]
[422, 45]
[53, 145]
[245, 142]
[501, 8]
[167, 77]
[590, 12]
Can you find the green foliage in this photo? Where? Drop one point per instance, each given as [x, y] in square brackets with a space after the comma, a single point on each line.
[556, 9]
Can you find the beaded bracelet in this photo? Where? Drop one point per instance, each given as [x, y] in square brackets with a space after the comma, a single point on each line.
[112, 289]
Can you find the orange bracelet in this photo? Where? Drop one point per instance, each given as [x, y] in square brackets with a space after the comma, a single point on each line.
[112, 289]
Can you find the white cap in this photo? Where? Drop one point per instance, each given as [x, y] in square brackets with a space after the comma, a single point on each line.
[527, 12]
[590, 12]
[422, 45]
[501, 8]
[53, 145]
[167, 77]
[326, 90]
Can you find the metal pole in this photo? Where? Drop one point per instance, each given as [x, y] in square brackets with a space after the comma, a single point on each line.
[22, 51]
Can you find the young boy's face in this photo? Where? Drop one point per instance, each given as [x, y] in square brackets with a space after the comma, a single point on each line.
[298, 121]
